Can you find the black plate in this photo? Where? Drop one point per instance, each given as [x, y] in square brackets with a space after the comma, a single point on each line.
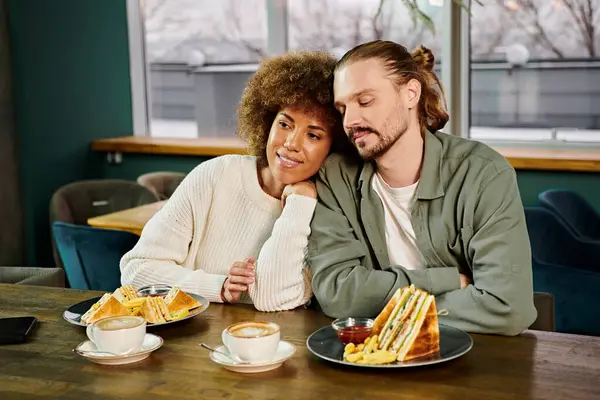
[73, 314]
[454, 343]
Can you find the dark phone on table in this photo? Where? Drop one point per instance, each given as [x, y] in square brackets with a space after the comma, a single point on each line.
[15, 330]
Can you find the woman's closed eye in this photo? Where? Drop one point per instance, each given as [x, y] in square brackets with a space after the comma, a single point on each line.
[365, 103]
[314, 136]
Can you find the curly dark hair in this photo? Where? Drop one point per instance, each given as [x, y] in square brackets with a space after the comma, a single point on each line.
[294, 79]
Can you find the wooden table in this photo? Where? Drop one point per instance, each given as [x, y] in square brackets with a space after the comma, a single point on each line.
[131, 220]
[533, 365]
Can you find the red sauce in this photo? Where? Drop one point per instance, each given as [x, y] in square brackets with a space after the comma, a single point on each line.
[354, 334]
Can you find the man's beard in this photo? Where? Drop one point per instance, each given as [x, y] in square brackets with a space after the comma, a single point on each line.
[384, 143]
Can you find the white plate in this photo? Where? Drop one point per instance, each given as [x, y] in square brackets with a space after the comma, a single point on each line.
[87, 349]
[285, 351]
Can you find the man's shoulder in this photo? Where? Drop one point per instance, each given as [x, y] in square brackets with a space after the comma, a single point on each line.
[340, 168]
[478, 155]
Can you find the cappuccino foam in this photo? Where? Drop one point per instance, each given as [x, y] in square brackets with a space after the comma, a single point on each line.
[251, 330]
[113, 324]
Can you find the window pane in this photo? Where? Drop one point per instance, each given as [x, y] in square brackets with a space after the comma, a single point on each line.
[200, 55]
[339, 25]
[535, 72]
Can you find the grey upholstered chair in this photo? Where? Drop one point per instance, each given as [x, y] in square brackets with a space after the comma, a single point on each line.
[33, 276]
[161, 183]
[76, 202]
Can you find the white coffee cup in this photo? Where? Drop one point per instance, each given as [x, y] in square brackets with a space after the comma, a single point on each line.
[118, 335]
[254, 342]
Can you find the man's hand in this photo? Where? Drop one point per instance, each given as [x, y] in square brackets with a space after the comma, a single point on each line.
[465, 281]
[304, 188]
[241, 274]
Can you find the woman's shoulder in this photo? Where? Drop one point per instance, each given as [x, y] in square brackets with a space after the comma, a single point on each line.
[217, 167]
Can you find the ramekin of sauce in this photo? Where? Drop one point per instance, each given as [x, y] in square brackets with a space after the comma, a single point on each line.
[353, 330]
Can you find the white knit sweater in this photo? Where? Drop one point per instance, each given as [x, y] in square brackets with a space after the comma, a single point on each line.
[219, 214]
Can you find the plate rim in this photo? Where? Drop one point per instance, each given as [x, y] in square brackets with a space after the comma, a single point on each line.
[203, 300]
[161, 342]
[390, 366]
[263, 364]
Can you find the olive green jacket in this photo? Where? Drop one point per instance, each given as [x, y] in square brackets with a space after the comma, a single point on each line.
[468, 218]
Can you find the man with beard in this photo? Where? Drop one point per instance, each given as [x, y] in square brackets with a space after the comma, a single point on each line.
[421, 207]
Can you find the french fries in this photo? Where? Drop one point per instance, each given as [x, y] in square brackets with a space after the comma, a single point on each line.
[366, 353]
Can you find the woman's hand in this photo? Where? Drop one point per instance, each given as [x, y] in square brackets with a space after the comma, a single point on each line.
[241, 274]
[304, 188]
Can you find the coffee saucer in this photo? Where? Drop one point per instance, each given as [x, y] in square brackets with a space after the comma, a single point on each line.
[88, 350]
[285, 351]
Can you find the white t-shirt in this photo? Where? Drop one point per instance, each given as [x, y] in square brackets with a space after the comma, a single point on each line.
[399, 233]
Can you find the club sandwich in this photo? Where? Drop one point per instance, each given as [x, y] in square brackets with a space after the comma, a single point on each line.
[408, 325]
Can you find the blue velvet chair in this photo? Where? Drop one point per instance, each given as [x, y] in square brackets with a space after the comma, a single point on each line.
[567, 268]
[575, 212]
[552, 241]
[77, 201]
[91, 256]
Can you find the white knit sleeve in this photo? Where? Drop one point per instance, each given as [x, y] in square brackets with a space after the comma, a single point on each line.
[282, 280]
[163, 247]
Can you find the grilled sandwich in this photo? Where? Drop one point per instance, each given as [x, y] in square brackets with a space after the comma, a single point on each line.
[154, 310]
[125, 294]
[177, 300]
[107, 306]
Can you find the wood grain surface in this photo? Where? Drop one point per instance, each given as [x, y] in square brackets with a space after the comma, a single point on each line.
[533, 365]
[130, 220]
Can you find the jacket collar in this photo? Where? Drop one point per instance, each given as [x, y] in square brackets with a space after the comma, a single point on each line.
[430, 184]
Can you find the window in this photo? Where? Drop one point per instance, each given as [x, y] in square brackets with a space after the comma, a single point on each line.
[535, 70]
[339, 25]
[200, 54]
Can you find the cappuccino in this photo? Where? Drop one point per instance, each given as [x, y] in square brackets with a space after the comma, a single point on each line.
[117, 323]
[252, 341]
[253, 329]
[118, 335]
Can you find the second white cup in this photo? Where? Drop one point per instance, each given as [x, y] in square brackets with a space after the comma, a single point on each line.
[118, 335]
[254, 342]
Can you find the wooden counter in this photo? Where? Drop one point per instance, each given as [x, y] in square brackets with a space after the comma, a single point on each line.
[522, 158]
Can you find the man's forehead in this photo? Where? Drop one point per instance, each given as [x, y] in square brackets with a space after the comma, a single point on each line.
[358, 77]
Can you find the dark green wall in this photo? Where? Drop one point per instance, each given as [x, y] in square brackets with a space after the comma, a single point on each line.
[533, 182]
[134, 165]
[71, 86]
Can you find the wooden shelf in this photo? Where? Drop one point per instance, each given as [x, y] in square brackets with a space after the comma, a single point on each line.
[173, 146]
[521, 158]
[531, 158]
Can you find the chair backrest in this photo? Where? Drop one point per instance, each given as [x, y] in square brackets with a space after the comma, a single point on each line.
[577, 214]
[544, 304]
[552, 242]
[54, 277]
[76, 202]
[91, 256]
[161, 183]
